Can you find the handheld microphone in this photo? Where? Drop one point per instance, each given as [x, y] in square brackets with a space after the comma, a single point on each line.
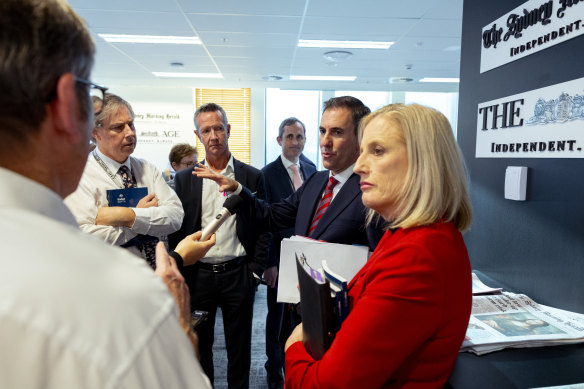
[229, 207]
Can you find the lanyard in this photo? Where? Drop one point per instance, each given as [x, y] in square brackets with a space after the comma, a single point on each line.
[114, 177]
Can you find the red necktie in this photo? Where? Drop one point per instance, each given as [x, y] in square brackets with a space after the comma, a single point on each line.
[323, 205]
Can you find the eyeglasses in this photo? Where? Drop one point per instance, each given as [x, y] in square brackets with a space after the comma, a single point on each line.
[97, 93]
[188, 163]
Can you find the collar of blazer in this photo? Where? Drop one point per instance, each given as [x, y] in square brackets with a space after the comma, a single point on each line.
[348, 193]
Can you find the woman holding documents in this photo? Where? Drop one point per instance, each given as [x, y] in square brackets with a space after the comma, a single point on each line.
[411, 302]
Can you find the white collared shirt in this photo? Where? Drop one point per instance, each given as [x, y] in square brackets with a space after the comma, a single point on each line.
[91, 194]
[341, 177]
[76, 312]
[227, 245]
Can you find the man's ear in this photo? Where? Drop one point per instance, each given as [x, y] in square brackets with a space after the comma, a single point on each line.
[198, 136]
[279, 140]
[65, 109]
[228, 130]
[174, 165]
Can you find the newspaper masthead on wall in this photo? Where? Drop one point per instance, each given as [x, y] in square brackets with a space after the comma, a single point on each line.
[533, 26]
[542, 123]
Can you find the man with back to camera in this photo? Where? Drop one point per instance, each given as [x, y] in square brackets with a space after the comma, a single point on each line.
[74, 312]
[111, 166]
[343, 219]
[283, 176]
[228, 275]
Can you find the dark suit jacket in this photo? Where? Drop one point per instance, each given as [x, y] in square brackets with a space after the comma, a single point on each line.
[303, 158]
[278, 187]
[343, 222]
[190, 188]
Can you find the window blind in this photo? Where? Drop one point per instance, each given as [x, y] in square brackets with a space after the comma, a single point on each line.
[236, 103]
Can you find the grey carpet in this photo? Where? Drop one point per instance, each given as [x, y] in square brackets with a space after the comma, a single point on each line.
[257, 379]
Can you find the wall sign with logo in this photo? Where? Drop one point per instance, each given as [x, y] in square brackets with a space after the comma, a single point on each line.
[160, 126]
[543, 123]
[535, 25]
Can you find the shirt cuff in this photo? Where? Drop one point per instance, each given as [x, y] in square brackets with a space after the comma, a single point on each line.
[141, 223]
[238, 190]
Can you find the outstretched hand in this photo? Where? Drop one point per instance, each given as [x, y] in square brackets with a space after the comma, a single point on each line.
[226, 184]
[167, 270]
[191, 249]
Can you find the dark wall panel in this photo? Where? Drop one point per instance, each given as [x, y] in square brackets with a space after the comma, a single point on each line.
[535, 246]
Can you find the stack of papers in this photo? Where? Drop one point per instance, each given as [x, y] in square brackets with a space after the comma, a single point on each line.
[508, 320]
[344, 260]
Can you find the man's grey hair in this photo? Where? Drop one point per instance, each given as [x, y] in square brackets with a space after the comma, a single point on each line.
[289, 122]
[210, 107]
[111, 104]
[40, 40]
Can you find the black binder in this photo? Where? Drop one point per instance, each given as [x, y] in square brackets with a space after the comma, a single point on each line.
[318, 318]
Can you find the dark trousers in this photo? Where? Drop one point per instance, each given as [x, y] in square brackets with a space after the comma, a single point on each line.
[233, 291]
[274, 347]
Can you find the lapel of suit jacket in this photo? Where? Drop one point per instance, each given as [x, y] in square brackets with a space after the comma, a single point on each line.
[346, 195]
[305, 172]
[311, 195]
[240, 172]
[196, 195]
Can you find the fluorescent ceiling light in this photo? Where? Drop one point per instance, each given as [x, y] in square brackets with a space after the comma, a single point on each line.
[323, 78]
[430, 79]
[344, 44]
[180, 40]
[187, 75]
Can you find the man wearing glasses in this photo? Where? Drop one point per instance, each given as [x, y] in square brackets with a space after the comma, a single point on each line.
[110, 166]
[181, 157]
[74, 311]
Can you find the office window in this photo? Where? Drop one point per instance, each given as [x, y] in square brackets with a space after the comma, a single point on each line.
[373, 100]
[236, 103]
[302, 104]
[447, 103]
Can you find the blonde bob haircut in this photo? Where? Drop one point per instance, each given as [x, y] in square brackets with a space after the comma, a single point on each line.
[435, 187]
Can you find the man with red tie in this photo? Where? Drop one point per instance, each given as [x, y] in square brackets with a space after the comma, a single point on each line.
[344, 218]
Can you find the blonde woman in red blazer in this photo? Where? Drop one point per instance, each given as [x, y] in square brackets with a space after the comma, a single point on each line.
[411, 302]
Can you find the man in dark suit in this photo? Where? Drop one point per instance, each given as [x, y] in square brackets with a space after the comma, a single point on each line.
[283, 176]
[229, 274]
[343, 220]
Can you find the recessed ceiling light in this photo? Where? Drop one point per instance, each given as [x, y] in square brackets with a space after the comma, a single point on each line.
[344, 44]
[400, 80]
[179, 40]
[337, 55]
[323, 78]
[437, 79]
[187, 75]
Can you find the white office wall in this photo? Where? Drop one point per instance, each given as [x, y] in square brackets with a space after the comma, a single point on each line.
[158, 132]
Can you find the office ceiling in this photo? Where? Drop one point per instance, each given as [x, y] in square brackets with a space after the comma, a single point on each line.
[247, 40]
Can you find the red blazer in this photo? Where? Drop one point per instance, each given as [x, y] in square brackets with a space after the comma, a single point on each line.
[411, 304]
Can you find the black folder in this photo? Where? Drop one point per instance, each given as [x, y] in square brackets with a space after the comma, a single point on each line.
[318, 318]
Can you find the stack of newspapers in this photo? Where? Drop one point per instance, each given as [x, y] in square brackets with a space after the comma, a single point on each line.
[506, 320]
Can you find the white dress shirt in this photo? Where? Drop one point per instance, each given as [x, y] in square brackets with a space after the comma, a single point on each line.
[227, 244]
[77, 313]
[91, 194]
[342, 177]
